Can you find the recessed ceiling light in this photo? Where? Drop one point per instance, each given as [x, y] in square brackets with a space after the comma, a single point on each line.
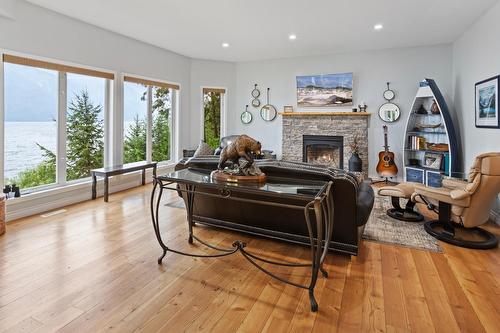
[378, 26]
[292, 37]
[225, 44]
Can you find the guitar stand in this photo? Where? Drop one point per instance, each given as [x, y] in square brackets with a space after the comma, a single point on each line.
[385, 181]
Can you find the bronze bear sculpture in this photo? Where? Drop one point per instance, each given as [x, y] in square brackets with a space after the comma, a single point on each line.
[243, 147]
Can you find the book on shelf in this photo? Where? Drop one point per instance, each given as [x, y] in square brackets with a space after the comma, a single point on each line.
[416, 142]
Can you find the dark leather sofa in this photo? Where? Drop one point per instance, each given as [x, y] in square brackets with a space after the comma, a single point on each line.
[353, 202]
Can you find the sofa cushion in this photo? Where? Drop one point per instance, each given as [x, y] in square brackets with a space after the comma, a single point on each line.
[203, 150]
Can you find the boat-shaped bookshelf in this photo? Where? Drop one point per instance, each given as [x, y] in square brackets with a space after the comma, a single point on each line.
[431, 148]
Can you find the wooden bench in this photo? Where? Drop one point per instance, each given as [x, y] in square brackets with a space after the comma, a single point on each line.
[119, 170]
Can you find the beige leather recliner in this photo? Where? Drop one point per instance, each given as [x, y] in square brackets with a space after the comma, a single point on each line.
[464, 205]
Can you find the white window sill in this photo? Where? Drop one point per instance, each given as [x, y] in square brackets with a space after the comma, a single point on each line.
[60, 196]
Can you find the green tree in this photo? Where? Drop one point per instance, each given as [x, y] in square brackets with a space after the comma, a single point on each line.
[161, 124]
[85, 146]
[85, 132]
[43, 174]
[211, 106]
[135, 141]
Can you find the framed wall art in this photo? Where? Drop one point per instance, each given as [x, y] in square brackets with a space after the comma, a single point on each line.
[486, 102]
[324, 90]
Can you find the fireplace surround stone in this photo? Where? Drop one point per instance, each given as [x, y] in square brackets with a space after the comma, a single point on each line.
[297, 124]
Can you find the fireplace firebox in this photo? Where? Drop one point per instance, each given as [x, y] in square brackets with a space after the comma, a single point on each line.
[324, 150]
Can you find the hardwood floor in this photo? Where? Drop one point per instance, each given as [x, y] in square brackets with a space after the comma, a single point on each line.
[93, 268]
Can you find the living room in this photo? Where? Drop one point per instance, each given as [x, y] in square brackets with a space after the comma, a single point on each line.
[331, 172]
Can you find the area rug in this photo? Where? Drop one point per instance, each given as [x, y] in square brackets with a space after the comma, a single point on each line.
[384, 229]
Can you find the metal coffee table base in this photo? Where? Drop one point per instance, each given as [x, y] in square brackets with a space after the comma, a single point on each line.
[322, 205]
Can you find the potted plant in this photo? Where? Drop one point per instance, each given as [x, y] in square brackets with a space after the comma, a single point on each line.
[355, 162]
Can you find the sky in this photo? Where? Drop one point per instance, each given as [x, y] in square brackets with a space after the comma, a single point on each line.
[31, 93]
[325, 80]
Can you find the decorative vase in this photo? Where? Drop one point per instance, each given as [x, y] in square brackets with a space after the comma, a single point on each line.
[355, 163]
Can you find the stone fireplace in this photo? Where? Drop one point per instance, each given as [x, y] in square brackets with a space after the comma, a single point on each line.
[324, 137]
[323, 150]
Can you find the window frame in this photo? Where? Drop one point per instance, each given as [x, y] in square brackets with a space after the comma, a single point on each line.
[61, 113]
[223, 114]
[175, 88]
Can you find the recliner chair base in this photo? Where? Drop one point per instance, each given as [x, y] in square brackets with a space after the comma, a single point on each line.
[405, 215]
[447, 232]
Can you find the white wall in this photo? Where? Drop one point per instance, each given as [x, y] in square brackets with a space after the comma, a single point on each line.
[404, 68]
[476, 57]
[7, 8]
[210, 74]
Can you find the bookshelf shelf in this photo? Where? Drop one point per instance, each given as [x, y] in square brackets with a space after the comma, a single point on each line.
[417, 158]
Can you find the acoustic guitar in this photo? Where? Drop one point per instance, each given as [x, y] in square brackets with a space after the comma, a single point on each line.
[386, 167]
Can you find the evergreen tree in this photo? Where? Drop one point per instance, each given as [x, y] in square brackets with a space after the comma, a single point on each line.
[161, 137]
[211, 105]
[135, 141]
[43, 174]
[85, 133]
[161, 124]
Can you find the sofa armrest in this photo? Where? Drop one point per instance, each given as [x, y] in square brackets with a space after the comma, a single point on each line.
[364, 203]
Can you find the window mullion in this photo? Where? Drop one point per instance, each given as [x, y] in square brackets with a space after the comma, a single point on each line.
[61, 128]
[2, 125]
[107, 161]
[149, 131]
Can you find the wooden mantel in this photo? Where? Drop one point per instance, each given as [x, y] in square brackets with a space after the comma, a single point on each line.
[325, 113]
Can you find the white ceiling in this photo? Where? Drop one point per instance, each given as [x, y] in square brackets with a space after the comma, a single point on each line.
[259, 29]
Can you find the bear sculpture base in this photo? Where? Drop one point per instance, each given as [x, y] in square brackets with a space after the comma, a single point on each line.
[222, 176]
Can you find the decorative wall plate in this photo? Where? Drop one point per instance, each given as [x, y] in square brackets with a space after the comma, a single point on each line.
[268, 111]
[389, 112]
[255, 92]
[246, 117]
[389, 94]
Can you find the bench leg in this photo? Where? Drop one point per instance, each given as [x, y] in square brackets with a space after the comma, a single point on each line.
[106, 188]
[94, 187]
[143, 177]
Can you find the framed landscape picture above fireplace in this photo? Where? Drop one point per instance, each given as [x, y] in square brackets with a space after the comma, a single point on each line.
[324, 90]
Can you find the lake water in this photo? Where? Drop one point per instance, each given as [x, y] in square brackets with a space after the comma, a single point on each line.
[21, 150]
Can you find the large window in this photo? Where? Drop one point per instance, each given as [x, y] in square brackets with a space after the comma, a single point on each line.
[135, 108]
[212, 105]
[54, 122]
[84, 125]
[148, 111]
[30, 139]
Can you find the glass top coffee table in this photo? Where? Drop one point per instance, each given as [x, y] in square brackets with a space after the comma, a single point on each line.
[315, 196]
